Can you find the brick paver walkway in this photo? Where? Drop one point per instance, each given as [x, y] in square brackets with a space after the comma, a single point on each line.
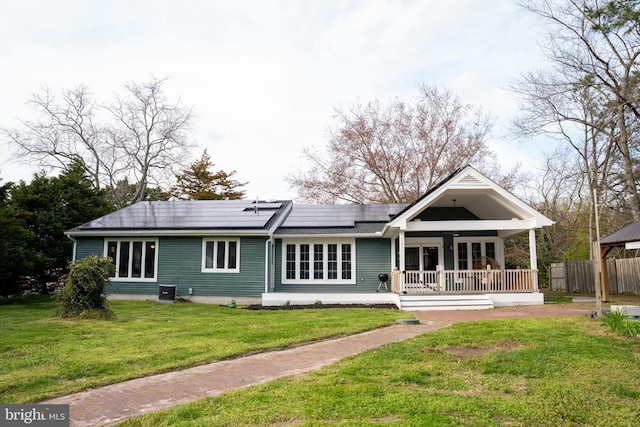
[111, 404]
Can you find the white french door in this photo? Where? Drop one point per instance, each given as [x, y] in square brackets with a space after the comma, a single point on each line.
[423, 258]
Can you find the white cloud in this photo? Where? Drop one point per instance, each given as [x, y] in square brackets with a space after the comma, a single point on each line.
[265, 76]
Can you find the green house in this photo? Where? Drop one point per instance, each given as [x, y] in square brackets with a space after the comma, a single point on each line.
[444, 251]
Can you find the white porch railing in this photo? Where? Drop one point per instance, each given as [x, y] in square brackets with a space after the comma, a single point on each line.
[463, 281]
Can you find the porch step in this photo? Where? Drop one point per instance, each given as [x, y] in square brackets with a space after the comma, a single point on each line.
[445, 302]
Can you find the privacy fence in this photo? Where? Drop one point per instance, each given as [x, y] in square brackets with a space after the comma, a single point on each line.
[577, 276]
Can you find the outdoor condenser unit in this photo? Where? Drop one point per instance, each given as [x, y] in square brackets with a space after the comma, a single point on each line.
[167, 293]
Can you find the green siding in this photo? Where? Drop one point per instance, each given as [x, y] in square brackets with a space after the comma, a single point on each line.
[87, 246]
[373, 256]
[180, 264]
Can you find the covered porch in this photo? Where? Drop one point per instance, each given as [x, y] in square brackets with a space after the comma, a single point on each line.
[452, 240]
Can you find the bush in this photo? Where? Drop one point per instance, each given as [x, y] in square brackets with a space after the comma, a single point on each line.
[83, 294]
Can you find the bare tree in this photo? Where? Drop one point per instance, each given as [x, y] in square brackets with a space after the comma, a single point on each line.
[593, 48]
[67, 131]
[152, 134]
[146, 140]
[394, 153]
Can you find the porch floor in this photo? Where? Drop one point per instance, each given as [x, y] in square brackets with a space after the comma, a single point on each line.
[408, 302]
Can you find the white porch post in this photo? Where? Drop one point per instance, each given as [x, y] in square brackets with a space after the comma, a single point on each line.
[533, 258]
[394, 254]
[401, 249]
[401, 267]
[532, 250]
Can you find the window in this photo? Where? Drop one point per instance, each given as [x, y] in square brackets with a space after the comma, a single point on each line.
[133, 259]
[291, 262]
[326, 262]
[304, 262]
[318, 264]
[346, 261]
[470, 252]
[221, 256]
[463, 262]
[333, 262]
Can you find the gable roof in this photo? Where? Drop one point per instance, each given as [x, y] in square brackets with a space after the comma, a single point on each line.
[467, 188]
[184, 217]
[630, 233]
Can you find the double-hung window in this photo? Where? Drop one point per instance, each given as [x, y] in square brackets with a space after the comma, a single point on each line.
[221, 255]
[133, 259]
[318, 262]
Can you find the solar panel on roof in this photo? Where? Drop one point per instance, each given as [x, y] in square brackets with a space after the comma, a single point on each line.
[339, 215]
[185, 215]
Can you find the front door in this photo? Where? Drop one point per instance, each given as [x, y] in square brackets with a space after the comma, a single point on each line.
[430, 258]
[420, 264]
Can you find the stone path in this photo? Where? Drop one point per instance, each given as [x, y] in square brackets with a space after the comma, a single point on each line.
[111, 404]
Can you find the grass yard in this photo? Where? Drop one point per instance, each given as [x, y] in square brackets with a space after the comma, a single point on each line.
[522, 372]
[42, 356]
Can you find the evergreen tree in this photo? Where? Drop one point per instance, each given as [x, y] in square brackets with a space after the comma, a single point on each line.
[49, 207]
[14, 250]
[198, 182]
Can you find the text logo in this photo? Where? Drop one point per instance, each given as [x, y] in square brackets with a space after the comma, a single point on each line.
[34, 415]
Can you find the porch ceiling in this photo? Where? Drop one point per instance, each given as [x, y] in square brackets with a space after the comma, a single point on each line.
[486, 205]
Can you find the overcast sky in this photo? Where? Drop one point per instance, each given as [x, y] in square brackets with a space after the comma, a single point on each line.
[264, 77]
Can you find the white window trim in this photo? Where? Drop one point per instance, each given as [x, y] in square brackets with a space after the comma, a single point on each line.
[116, 278]
[482, 240]
[325, 261]
[215, 269]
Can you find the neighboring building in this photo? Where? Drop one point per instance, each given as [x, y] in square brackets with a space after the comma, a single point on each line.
[628, 238]
[444, 251]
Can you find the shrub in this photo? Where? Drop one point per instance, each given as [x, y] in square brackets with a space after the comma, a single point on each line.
[617, 322]
[83, 294]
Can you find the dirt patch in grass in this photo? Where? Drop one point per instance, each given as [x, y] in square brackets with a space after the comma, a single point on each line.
[385, 420]
[464, 352]
[467, 351]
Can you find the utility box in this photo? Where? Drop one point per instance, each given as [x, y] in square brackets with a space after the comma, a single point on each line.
[167, 293]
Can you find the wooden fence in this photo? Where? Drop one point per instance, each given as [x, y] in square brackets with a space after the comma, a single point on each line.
[577, 276]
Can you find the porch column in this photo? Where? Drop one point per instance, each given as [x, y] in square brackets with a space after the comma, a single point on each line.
[401, 249]
[533, 258]
[394, 255]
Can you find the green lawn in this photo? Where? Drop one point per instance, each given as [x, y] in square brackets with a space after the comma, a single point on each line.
[42, 356]
[521, 372]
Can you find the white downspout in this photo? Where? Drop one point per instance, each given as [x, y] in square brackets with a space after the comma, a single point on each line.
[267, 264]
[73, 253]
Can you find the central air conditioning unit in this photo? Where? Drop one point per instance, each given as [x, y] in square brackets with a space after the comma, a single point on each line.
[167, 293]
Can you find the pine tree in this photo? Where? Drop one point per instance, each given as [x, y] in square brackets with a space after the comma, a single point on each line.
[198, 182]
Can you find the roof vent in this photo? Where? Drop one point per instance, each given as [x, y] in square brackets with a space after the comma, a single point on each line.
[470, 179]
